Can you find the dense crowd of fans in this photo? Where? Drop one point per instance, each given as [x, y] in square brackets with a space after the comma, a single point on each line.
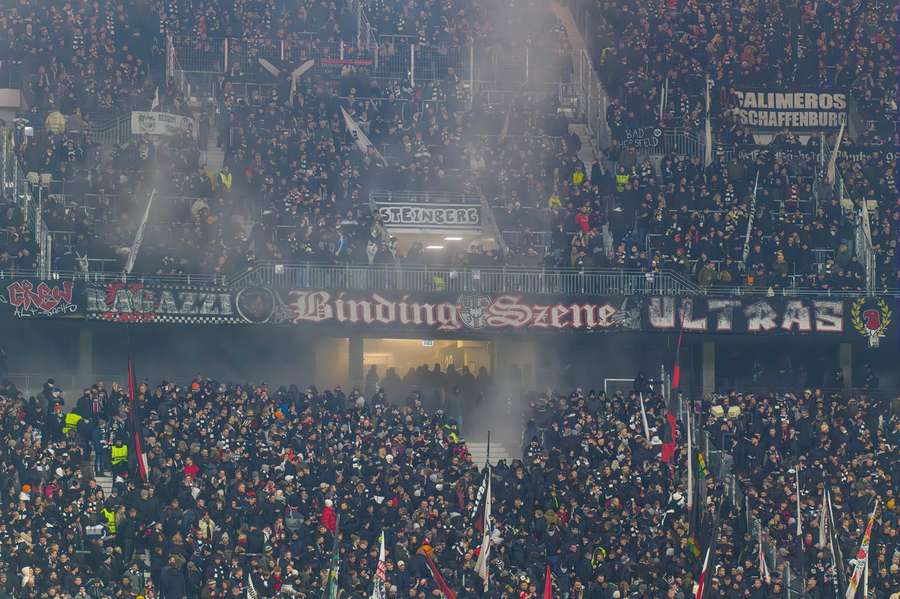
[246, 483]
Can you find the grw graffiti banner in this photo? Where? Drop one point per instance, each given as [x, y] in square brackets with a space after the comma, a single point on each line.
[29, 298]
[796, 110]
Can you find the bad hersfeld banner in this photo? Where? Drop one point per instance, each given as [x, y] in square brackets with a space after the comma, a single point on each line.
[160, 123]
[797, 110]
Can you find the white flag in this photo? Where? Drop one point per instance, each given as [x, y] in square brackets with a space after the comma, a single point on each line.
[862, 557]
[297, 73]
[139, 236]
[823, 519]
[707, 154]
[251, 590]
[155, 104]
[799, 518]
[763, 566]
[644, 418]
[481, 566]
[359, 136]
[380, 576]
[831, 173]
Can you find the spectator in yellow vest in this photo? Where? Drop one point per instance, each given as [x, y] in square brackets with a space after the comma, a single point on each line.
[119, 457]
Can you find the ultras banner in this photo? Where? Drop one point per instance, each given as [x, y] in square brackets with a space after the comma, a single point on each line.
[477, 312]
[442, 312]
[797, 110]
[32, 298]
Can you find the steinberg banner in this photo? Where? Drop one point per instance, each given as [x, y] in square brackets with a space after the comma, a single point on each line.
[442, 217]
[796, 110]
[160, 123]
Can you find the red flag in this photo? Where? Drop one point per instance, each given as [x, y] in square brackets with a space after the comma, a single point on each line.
[670, 440]
[548, 584]
[671, 436]
[134, 416]
[676, 369]
[448, 593]
[701, 582]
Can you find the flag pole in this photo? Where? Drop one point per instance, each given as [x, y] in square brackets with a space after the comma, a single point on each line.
[488, 457]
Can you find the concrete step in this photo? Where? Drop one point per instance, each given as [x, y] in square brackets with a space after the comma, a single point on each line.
[215, 158]
[478, 451]
[105, 483]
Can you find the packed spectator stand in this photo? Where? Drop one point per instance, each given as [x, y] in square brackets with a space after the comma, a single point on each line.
[245, 482]
[293, 186]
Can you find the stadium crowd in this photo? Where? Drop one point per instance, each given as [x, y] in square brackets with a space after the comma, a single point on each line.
[246, 483]
[294, 186]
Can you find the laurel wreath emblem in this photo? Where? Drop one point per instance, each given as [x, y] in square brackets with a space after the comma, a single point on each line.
[859, 325]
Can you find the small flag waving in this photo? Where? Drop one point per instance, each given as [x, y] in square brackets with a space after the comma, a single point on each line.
[331, 588]
[548, 583]
[862, 557]
[380, 576]
[359, 136]
[251, 589]
[644, 417]
[134, 417]
[139, 236]
[670, 442]
[763, 566]
[428, 553]
[482, 564]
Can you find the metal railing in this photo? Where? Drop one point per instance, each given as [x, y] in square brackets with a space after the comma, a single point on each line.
[25, 193]
[592, 99]
[387, 196]
[476, 280]
[426, 278]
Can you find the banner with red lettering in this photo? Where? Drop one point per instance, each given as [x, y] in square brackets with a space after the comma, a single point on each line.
[33, 298]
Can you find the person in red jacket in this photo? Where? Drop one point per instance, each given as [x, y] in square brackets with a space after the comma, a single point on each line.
[328, 519]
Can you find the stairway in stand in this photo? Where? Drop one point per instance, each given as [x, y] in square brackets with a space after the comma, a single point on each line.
[105, 483]
[478, 450]
[215, 156]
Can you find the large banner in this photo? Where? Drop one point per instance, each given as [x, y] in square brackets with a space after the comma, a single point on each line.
[160, 123]
[141, 303]
[444, 312]
[31, 298]
[444, 217]
[796, 110]
[793, 153]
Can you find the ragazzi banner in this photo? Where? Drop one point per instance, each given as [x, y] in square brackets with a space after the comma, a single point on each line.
[33, 298]
[140, 303]
[792, 109]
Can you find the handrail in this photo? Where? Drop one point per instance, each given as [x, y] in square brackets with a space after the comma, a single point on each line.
[426, 278]
[387, 196]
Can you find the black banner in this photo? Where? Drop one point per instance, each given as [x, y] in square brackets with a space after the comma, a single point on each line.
[33, 298]
[641, 137]
[797, 110]
[144, 303]
[444, 312]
